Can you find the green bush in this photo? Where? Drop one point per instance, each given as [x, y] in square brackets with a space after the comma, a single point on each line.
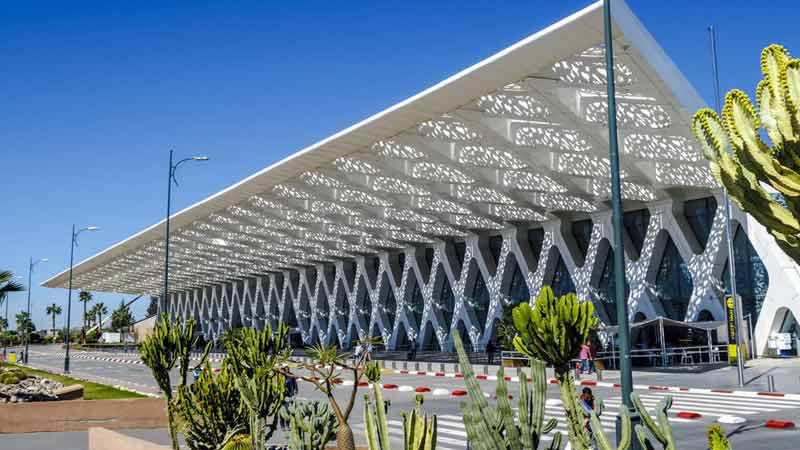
[12, 376]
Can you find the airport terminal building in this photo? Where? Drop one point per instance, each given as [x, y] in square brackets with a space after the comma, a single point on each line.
[434, 215]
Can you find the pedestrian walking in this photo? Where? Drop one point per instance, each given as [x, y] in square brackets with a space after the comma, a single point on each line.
[584, 358]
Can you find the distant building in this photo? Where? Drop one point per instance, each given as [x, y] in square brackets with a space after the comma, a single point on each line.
[143, 328]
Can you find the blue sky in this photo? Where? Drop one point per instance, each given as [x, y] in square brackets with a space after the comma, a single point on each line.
[95, 94]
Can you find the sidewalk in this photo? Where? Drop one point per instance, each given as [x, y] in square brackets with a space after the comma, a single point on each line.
[785, 371]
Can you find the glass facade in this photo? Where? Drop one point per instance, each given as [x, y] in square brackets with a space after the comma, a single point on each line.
[416, 303]
[700, 215]
[673, 283]
[535, 241]
[460, 249]
[364, 302]
[752, 280]
[342, 303]
[562, 281]
[289, 316]
[606, 291]
[517, 290]
[430, 342]
[495, 248]
[444, 299]
[323, 311]
[390, 303]
[582, 232]
[305, 309]
[635, 223]
[478, 295]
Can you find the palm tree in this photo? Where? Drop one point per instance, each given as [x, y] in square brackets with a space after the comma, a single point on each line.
[3, 324]
[7, 284]
[84, 297]
[100, 309]
[53, 311]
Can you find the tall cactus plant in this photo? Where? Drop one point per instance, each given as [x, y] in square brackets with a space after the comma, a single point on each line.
[419, 430]
[170, 345]
[491, 428]
[211, 410]
[256, 360]
[755, 163]
[312, 424]
[553, 331]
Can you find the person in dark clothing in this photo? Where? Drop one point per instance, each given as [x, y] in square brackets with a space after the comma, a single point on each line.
[412, 352]
[290, 391]
[490, 352]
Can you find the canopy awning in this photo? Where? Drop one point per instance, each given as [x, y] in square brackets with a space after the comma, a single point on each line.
[519, 137]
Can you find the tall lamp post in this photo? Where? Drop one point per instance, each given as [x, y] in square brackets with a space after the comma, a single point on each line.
[73, 243]
[626, 378]
[170, 179]
[729, 237]
[30, 288]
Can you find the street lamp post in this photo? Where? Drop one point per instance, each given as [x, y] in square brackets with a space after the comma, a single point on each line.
[626, 378]
[170, 179]
[30, 288]
[73, 242]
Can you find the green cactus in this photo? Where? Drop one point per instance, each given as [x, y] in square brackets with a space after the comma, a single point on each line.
[754, 162]
[553, 331]
[375, 421]
[495, 428]
[170, 344]
[211, 410]
[372, 370]
[661, 430]
[255, 360]
[312, 423]
[419, 430]
[717, 439]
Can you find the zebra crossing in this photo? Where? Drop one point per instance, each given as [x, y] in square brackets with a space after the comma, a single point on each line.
[711, 406]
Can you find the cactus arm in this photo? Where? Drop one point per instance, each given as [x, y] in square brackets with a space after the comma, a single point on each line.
[603, 442]
[505, 415]
[647, 420]
[369, 425]
[530, 427]
[577, 433]
[556, 443]
[383, 425]
[641, 435]
[663, 420]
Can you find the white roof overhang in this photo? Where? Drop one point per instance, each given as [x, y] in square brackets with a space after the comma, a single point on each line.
[518, 137]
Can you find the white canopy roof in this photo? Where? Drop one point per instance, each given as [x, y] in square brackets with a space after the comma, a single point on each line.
[518, 137]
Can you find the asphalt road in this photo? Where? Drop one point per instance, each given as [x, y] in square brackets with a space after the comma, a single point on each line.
[123, 370]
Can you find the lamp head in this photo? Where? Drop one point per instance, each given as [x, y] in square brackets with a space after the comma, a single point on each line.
[92, 228]
[43, 260]
[200, 158]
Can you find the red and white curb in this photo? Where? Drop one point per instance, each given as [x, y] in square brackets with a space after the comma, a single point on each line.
[645, 387]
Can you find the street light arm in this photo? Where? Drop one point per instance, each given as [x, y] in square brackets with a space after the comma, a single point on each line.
[174, 168]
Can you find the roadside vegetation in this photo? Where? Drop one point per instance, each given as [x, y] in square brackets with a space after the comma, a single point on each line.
[239, 407]
[91, 390]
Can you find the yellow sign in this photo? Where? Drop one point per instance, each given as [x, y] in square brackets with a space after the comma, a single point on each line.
[733, 338]
[12, 358]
